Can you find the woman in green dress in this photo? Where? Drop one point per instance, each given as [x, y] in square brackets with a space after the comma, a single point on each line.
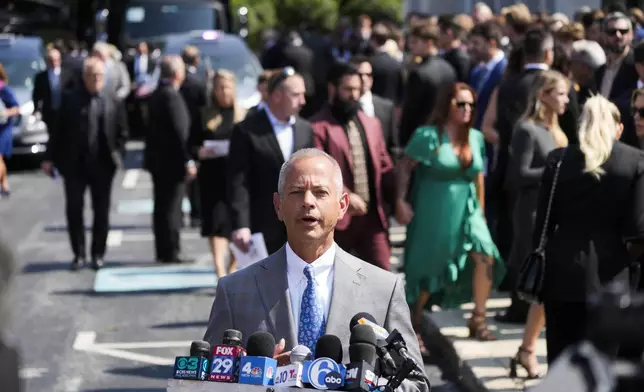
[449, 253]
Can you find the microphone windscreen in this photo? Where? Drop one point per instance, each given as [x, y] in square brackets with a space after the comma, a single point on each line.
[329, 346]
[232, 337]
[362, 352]
[365, 315]
[199, 348]
[300, 353]
[362, 334]
[261, 344]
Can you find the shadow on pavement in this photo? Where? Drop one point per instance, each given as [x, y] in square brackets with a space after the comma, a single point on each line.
[50, 266]
[148, 371]
[189, 324]
[91, 293]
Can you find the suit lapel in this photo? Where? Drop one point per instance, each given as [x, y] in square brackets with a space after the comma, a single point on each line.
[371, 142]
[347, 282]
[273, 288]
[301, 136]
[265, 129]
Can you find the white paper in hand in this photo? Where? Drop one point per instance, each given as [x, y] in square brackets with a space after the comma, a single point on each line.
[256, 251]
[219, 148]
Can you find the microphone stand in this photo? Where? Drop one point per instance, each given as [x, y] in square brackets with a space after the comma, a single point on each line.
[407, 367]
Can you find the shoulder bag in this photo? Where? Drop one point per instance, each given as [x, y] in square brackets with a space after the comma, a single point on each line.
[533, 270]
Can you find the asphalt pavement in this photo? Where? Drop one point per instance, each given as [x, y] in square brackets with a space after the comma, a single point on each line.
[72, 338]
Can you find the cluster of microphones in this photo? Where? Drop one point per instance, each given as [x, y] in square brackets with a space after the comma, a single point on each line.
[371, 366]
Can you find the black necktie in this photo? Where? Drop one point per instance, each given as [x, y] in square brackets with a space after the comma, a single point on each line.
[93, 125]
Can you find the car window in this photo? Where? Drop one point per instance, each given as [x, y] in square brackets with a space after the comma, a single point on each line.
[21, 72]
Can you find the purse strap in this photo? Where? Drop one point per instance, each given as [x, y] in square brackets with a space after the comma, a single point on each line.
[555, 180]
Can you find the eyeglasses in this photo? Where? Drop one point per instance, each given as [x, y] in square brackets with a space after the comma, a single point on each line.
[614, 31]
[365, 74]
[279, 78]
[462, 105]
[639, 111]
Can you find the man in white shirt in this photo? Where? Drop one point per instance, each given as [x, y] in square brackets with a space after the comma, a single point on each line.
[258, 147]
[311, 287]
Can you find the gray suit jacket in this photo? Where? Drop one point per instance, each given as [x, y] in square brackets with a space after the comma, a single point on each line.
[257, 299]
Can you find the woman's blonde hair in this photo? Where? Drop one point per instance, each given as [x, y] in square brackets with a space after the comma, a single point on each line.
[212, 113]
[598, 129]
[537, 112]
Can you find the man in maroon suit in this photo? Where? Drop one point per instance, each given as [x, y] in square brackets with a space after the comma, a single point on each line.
[355, 140]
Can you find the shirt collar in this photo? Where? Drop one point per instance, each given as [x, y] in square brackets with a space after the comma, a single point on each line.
[541, 66]
[55, 71]
[366, 97]
[277, 123]
[498, 57]
[640, 84]
[321, 266]
[192, 69]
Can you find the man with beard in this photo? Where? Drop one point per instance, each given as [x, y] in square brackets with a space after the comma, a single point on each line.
[355, 140]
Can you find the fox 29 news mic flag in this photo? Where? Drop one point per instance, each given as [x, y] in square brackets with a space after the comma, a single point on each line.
[258, 367]
[226, 356]
[194, 367]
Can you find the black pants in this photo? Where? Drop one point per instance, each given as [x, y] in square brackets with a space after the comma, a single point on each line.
[167, 216]
[195, 200]
[99, 181]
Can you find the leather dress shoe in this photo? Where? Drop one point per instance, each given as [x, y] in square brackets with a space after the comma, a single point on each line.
[97, 263]
[77, 263]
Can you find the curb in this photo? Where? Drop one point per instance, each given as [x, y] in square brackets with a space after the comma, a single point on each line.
[454, 369]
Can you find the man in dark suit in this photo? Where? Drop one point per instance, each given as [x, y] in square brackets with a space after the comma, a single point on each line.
[355, 140]
[258, 147]
[425, 82]
[168, 158]
[193, 91]
[538, 48]
[387, 71]
[140, 68]
[86, 147]
[617, 79]
[141, 65]
[375, 106]
[452, 35]
[48, 88]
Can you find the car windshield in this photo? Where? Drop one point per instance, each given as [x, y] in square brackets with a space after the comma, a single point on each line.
[147, 19]
[21, 72]
[235, 58]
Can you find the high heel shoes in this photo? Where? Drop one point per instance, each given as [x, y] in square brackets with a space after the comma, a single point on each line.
[522, 358]
[478, 328]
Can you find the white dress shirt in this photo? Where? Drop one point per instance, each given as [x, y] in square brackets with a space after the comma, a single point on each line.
[366, 103]
[640, 84]
[323, 269]
[142, 64]
[283, 132]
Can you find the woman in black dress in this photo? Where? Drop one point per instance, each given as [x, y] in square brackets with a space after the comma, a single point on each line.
[219, 117]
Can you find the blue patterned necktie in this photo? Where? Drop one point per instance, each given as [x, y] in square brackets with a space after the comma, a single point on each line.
[312, 321]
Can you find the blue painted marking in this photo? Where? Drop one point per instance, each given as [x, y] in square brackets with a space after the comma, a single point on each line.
[162, 278]
[143, 206]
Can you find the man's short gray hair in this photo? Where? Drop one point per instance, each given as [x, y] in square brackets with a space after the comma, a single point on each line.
[308, 153]
[102, 48]
[613, 16]
[171, 65]
[589, 53]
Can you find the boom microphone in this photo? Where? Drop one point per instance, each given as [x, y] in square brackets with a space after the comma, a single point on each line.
[388, 365]
[194, 367]
[225, 357]
[367, 319]
[362, 350]
[258, 367]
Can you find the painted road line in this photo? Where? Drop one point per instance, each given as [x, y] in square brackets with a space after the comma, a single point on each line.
[130, 178]
[86, 342]
[114, 238]
[143, 237]
[29, 373]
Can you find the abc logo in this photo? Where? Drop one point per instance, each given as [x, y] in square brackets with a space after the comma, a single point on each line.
[333, 380]
[324, 373]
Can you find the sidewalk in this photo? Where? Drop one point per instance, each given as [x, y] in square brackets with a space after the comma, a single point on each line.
[487, 361]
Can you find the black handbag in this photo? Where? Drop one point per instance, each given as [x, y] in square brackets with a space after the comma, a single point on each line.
[533, 270]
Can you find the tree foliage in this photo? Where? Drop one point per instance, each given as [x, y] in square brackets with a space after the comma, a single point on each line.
[377, 9]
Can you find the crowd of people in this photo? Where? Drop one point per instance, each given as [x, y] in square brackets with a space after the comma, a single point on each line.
[458, 126]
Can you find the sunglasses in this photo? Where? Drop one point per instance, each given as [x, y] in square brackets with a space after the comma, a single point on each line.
[462, 105]
[279, 78]
[639, 111]
[614, 31]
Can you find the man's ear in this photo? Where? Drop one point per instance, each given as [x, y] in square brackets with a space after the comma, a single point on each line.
[276, 205]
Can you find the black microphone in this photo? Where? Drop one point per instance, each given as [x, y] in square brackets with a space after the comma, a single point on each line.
[196, 366]
[397, 343]
[388, 365]
[326, 371]
[258, 367]
[362, 351]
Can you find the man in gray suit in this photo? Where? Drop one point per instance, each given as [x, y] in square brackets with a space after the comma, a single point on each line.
[310, 287]
[117, 78]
